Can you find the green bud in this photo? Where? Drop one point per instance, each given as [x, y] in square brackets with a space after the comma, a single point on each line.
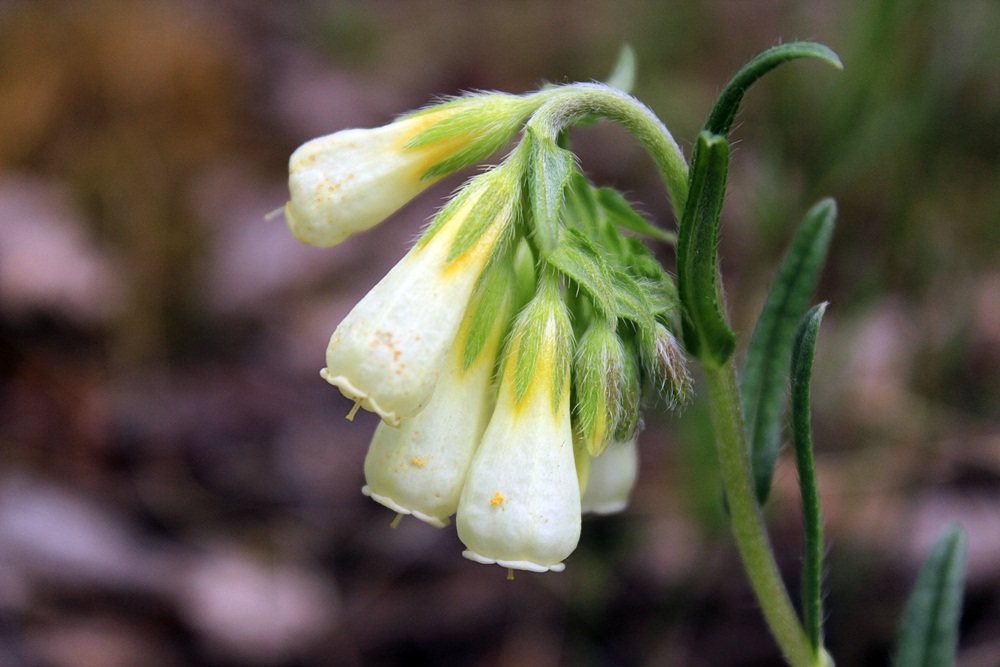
[600, 381]
[664, 363]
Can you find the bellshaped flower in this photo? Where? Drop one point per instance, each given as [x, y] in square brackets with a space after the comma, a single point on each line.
[388, 353]
[520, 507]
[420, 467]
[612, 477]
[349, 181]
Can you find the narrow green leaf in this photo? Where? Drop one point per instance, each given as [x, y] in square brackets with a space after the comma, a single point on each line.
[578, 259]
[929, 632]
[549, 171]
[812, 513]
[622, 76]
[765, 372]
[621, 213]
[706, 333]
[720, 120]
[489, 306]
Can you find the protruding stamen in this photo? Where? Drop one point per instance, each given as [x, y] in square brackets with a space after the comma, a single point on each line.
[395, 522]
[510, 574]
[354, 410]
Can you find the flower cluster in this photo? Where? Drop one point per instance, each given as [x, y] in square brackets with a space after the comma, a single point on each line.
[509, 351]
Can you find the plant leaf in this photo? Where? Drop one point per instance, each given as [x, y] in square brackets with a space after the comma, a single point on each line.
[929, 632]
[812, 514]
[706, 333]
[720, 120]
[765, 372]
[578, 259]
[621, 213]
[550, 168]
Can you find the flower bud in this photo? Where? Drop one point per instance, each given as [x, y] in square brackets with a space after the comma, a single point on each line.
[420, 467]
[349, 181]
[599, 382]
[612, 477]
[388, 352]
[520, 507]
[664, 361]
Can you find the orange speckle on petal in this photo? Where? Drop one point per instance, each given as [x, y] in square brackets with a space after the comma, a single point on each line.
[418, 462]
[496, 500]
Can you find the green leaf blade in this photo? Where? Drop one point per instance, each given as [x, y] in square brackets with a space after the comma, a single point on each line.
[720, 120]
[622, 214]
[765, 371]
[929, 631]
[706, 333]
[812, 513]
[550, 168]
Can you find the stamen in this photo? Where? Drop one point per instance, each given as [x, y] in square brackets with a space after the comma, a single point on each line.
[354, 410]
[274, 214]
[510, 574]
[395, 522]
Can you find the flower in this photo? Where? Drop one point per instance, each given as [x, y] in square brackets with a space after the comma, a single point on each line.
[520, 507]
[612, 477]
[349, 181]
[387, 354]
[420, 467]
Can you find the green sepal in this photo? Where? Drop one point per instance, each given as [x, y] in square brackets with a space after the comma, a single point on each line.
[531, 334]
[706, 333]
[491, 118]
[765, 372]
[577, 258]
[488, 211]
[489, 305]
[664, 364]
[621, 213]
[720, 120]
[548, 174]
[812, 513]
[598, 374]
[928, 634]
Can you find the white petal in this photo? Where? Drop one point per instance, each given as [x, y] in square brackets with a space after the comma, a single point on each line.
[420, 467]
[612, 477]
[520, 507]
[351, 180]
[389, 351]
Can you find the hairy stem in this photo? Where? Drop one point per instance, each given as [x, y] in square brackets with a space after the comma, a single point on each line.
[747, 521]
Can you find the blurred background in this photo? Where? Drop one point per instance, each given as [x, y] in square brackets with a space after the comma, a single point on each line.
[179, 487]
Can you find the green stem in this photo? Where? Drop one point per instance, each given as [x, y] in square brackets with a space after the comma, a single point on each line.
[748, 522]
[567, 105]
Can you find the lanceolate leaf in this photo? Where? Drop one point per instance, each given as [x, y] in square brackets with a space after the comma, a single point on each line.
[621, 213]
[578, 259]
[812, 514]
[549, 171]
[724, 112]
[768, 358]
[706, 333]
[929, 631]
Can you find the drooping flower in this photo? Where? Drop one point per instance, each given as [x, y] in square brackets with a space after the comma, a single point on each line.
[611, 479]
[349, 181]
[420, 467]
[387, 354]
[520, 507]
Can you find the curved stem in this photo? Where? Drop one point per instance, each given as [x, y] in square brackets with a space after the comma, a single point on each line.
[567, 105]
[747, 521]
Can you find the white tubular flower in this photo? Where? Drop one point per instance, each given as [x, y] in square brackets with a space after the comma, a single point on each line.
[420, 467]
[520, 507]
[612, 477]
[351, 180]
[389, 351]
